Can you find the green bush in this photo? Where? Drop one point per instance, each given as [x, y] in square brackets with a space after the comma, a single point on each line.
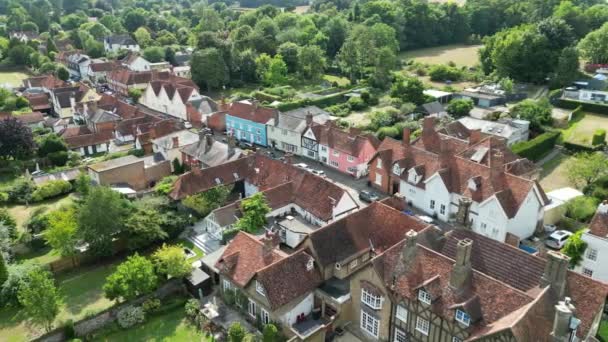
[137, 152]
[68, 330]
[59, 158]
[390, 131]
[599, 137]
[51, 189]
[536, 148]
[151, 305]
[339, 110]
[130, 316]
[441, 72]
[228, 234]
[581, 208]
[357, 103]
[262, 96]
[574, 147]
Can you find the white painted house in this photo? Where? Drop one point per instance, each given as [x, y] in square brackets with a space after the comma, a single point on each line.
[172, 96]
[472, 182]
[135, 62]
[285, 129]
[120, 42]
[169, 145]
[595, 258]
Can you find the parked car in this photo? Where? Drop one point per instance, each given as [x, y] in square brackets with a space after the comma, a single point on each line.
[558, 239]
[319, 173]
[425, 219]
[550, 228]
[368, 196]
[301, 166]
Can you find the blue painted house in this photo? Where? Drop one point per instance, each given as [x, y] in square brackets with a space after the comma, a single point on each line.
[247, 122]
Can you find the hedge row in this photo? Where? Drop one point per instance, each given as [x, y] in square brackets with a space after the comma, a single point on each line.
[574, 147]
[319, 102]
[51, 189]
[586, 106]
[262, 96]
[536, 148]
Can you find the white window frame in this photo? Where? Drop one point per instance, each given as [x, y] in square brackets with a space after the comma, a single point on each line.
[442, 209]
[401, 313]
[379, 163]
[265, 316]
[252, 308]
[226, 285]
[400, 336]
[259, 288]
[371, 300]
[456, 339]
[432, 204]
[396, 170]
[350, 158]
[334, 163]
[423, 326]
[587, 271]
[370, 324]
[591, 254]
[336, 153]
[378, 179]
[462, 317]
[424, 296]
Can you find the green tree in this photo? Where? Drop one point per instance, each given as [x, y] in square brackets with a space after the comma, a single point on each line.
[584, 169]
[408, 89]
[255, 209]
[311, 62]
[270, 333]
[40, 298]
[236, 333]
[537, 112]
[207, 201]
[575, 248]
[83, 184]
[143, 37]
[62, 231]
[144, 226]
[134, 18]
[289, 52]
[385, 63]
[171, 261]
[101, 218]
[581, 208]
[460, 107]
[62, 73]
[3, 270]
[16, 139]
[209, 69]
[594, 47]
[154, 54]
[276, 73]
[567, 68]
[50, 143]
[132, 278]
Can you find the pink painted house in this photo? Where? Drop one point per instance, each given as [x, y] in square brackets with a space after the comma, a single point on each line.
[348, 151]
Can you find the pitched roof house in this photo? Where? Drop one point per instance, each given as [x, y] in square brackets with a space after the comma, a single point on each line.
[135, 62]
[596, 253]
[285, 129]
[463, 176]
[80, 139]
[67, 100]
[247, 121]
[45, 82]
[119, 42]
[207, 152]
[172, 95]
[348, 151]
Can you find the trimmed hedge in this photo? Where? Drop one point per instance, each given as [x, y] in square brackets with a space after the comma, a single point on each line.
[51, 189]
[586, 106]
[536, 148]
[599, 137]
[574, 147]
[319, 102]
[262, 96]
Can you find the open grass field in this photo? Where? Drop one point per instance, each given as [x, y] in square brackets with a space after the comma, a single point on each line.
[553, 175]
[12, 78]
[172, 326]
[22, 213]
[462, 55]
[81, 293]
[602, 332]
[581, 131]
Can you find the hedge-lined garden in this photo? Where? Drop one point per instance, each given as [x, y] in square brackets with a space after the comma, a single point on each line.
[536, 148]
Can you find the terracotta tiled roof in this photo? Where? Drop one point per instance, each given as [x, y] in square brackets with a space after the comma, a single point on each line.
[39, 101]
[376, 227]
[599, 223]
[288, 279]
[75, 131]
[89, 139]
[45, 81]
[103, 66]
[349, 142]
[244, 257]
[119, 107]
[251, 112]
[30, 118]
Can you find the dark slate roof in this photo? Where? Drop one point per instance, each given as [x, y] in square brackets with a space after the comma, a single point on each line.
[121, 39]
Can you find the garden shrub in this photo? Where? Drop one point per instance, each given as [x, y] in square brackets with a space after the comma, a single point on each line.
[137, 152]
[581, 208]
[390, 131]
[339, 110]
[441, 72]
[4, 197]
[586, 106]
[59, 158]
[37, 221]
[357, 103]
[68, 329]
[17, 275]
[599, 137]
[51, 189]
[536, 148]
[575, 248]
[574, 147]
[192, 308]
[151, 305]
[130, 316]
[21, 191]
[165, 185]
[228, 234]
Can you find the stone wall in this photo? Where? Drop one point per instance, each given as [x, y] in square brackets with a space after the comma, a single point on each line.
[103, 319]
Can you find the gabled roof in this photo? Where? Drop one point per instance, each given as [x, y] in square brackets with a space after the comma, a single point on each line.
[599, 223]
[38, 101]
[30, 118]
[350, 142]
[295, 120]
[102, 66]
[244, 257]
[376, 227]
[89, 139]
[120, 39]
[251, 112]
[211, 152]
[44, 81]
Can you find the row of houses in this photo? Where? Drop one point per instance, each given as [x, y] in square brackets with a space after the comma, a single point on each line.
[378, 273]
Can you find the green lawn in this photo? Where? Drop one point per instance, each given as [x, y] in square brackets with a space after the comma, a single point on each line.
[188, 244]
[462, 55]
[602, 333]
[13, 78]
[171, 326]
[21, 213]
[81, 293]
[43, 256]
[553, 175]
[581, 129]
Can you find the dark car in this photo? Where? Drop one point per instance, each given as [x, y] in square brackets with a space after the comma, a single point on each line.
[367, 196]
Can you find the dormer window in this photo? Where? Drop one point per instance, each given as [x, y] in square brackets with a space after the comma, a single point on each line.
[472, 185]
[397, 170]
[424, 296]
[259, 288]
[413, 177]
[463, 318]
[309, 264]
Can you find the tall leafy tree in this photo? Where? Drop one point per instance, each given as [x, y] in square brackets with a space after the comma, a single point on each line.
[3, 270]
[209, 69]
[586, 168]
[40, 298]
[16, 139]
[289, 52]
[254, 211]
[101, 218]
[409, 89]
[311, 62]
[133, 278]
[62, 231]
[171, 261]
[594, 47]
